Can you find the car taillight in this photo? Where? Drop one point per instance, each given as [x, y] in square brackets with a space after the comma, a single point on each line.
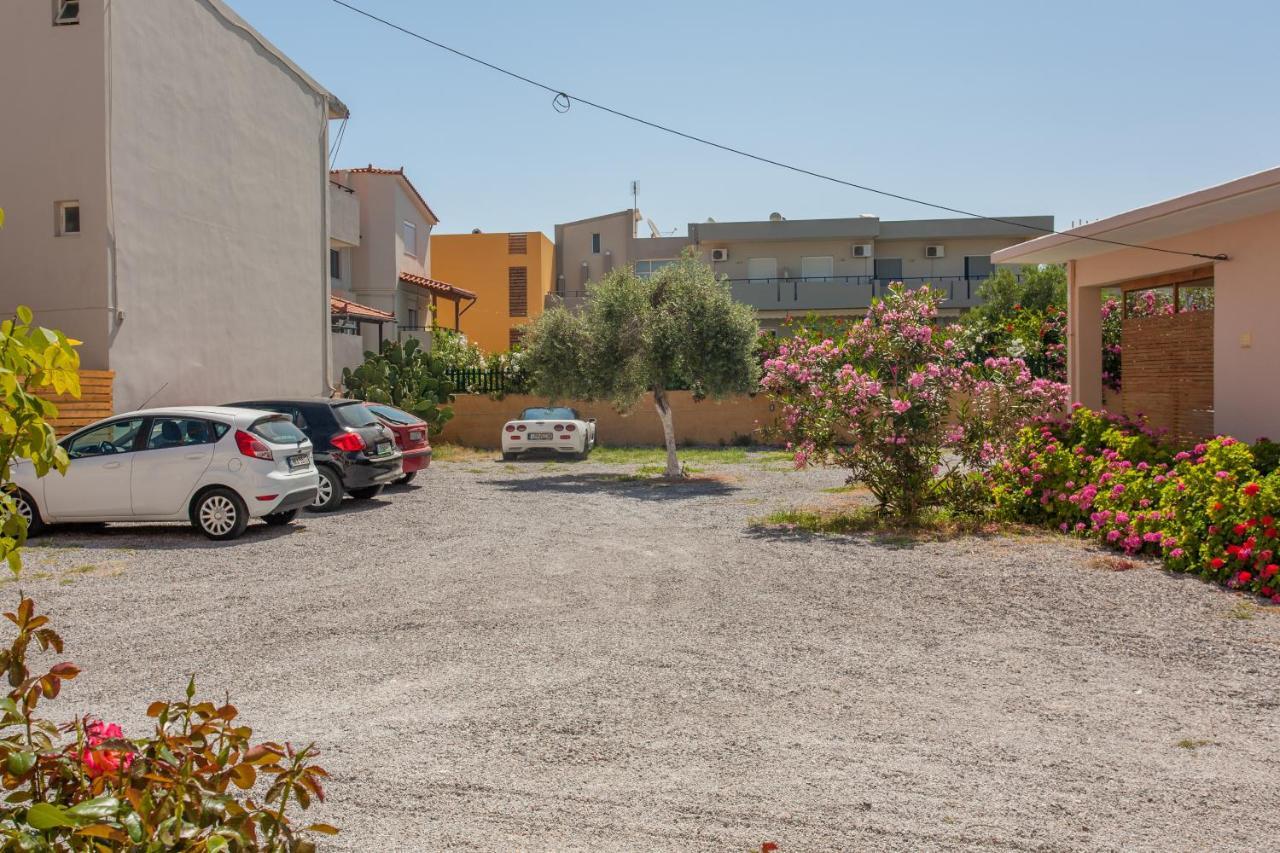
[521, 427]
[511, 428]
[348, 441]
[559, 427]
[252, 446]
[569, 428]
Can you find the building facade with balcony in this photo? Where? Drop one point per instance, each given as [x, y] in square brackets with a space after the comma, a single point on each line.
[788, 268]
[510, 273]
[164, 177]
[384, 266]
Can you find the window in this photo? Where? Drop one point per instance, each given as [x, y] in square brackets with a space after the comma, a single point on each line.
[354, 415]
[335, 264]
[595, 244]
[888, 269]
[821, 268]
[66, 12]
[644, 269]
[115, 437]
[549, 413]
[515, 336]
[517, 244]
[410, 238]
[182, 432]
[412, 313]
[765, 269]
[68, 218]
[518, 291]
[977, 266]
[278, 429]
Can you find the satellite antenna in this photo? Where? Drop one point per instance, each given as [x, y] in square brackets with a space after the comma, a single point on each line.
[635, 205]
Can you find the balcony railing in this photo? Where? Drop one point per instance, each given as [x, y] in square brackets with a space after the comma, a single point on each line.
[835, 292]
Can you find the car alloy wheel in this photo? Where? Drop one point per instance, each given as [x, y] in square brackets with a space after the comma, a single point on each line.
[218, 515]
[324, 492]
[24, 509]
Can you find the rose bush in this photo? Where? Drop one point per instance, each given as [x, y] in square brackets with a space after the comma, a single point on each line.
[1210, 510]
[895, 401]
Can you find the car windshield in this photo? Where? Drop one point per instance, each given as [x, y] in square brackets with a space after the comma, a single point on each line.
[278, 429]
[391, 413]
[354, 415]
[551, 413]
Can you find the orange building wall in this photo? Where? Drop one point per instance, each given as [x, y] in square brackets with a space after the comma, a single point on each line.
[481, 263]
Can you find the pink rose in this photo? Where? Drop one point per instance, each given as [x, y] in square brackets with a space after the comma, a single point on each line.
[98, 762]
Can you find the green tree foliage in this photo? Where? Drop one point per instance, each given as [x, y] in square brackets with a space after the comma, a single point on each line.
[405, 376]
[1033, 289]
[32, 359]
[680, 328]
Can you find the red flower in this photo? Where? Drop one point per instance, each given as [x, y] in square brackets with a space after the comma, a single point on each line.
[1251, 489]
[1267, 521]
[1217, 562]
[1270, 533]
[98, 762]
[1244, 577]
[1266, 592]
[1270, 571]
[1240, 529]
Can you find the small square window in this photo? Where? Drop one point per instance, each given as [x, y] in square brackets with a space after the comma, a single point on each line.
[68, 218]
[410, 238]
[595, 244]
[66, 12]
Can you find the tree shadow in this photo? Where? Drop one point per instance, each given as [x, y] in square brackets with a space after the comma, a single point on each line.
[157, 536]
[627, 485]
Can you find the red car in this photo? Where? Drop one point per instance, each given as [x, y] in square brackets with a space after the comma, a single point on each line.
[411, 437]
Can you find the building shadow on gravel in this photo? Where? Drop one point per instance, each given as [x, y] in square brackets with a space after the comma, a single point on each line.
[640, 488]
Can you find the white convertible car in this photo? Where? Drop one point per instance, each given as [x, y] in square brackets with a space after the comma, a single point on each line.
[551, 428]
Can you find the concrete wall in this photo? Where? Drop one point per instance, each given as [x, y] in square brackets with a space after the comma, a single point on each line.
[1246, 312]
[220, 184]
[344, 216]
[478, 420]
[52, 148]
[573, 250]
[347, 351]
[480, 263]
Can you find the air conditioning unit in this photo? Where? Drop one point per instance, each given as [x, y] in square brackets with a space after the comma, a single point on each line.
[719, 254]
[862, 250]
[935, 251]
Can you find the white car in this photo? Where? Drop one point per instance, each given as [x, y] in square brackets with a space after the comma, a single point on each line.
[215, 467]
[549, 428]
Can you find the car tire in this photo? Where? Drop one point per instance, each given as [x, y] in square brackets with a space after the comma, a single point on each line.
[329, 492]
[510, 457]
[280, 519]
[366, 493]
[27, 509]
[407, 478]
[219, 514]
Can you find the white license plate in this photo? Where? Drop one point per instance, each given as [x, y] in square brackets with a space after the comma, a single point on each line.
[382, 448]
[302, 460]
[539, 436]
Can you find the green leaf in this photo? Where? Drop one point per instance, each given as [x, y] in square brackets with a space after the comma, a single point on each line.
[19, 763]
[44, 816]
[24, 315]
[215, 844]
[99, 807]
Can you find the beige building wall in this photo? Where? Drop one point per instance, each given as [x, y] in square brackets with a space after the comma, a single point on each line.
[576, 261]
[53, 148]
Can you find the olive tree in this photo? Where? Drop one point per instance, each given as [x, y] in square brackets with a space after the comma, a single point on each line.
[678, 329]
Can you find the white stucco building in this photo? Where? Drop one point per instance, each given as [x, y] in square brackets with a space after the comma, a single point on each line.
[164, 173]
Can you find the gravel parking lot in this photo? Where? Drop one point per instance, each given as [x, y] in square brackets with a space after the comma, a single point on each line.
[548, 655]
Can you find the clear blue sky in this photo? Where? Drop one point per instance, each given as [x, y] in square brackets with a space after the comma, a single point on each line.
[1078, 109]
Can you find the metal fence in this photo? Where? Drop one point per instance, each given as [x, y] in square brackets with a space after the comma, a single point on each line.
[479, 380]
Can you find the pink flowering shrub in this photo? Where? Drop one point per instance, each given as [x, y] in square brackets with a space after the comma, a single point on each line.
[897, 404]
[1208, 510]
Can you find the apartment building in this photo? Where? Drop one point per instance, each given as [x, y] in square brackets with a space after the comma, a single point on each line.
[786, 267]
[510, 273]
[163, 171]
[384, 266]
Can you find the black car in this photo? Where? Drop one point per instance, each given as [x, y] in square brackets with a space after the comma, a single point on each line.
[354, 452]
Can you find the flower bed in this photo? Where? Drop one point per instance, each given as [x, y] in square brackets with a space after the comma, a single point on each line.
[1211, 510]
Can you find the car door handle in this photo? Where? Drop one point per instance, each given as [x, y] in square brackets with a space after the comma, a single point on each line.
[195, 455]
[111, 465]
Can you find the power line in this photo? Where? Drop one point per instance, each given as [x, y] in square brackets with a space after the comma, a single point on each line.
[562, 100]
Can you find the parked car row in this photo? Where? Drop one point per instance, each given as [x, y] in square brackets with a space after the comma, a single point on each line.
[221, 466]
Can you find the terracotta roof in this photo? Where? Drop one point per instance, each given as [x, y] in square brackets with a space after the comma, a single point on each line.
[438, 287]
[347, 308]
[374, 170]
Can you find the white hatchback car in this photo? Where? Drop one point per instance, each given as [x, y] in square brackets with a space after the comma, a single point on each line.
[557, 428]
[215, 467]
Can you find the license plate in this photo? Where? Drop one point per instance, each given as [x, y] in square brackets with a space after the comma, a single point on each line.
[382, 448]
[302, 460]
[539, 436]
[416, 435]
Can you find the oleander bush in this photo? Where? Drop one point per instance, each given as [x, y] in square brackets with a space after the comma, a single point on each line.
[189, 784]
[1209, 510]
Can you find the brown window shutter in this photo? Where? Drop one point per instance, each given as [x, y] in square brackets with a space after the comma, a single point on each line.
[518, 291]
[515, 337]
[517, 244]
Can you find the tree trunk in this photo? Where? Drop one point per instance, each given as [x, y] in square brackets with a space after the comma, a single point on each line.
[660, 403]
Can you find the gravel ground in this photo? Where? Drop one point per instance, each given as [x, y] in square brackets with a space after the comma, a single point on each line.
[545, 656]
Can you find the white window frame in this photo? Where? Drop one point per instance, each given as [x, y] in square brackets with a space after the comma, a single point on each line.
[61, 225]
[772, 264]
[829, 266]
[60, 13]
[646, 268]
[409, 234]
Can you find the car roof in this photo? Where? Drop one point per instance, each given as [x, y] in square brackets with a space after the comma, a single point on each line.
[299, 401]
[187, 411]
